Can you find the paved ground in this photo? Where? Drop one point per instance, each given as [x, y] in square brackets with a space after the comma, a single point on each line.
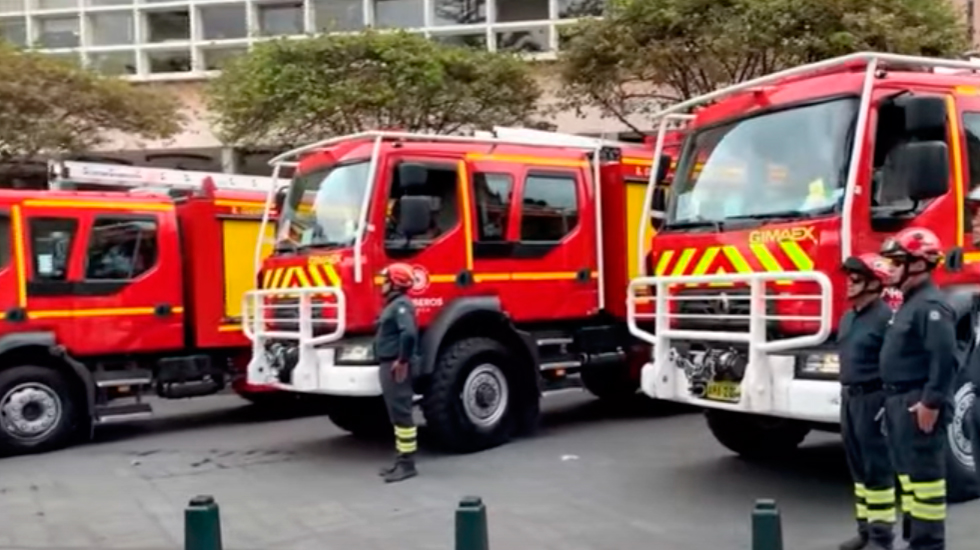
[593, 479]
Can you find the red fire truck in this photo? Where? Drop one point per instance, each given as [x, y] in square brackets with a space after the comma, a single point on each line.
[522, 253]
[107, 296]
[779, 180]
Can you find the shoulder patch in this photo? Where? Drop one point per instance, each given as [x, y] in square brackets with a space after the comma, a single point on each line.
[402, 310]
[934, 315]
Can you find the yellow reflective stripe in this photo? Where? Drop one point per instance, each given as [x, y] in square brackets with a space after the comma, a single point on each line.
[929, 489]
[301, 277]
[526, 159]
[737, 260]
[882, 515]
[907, 503]
[906, 482]
[706, 260]
[861, 511]
[316, 275]
[406, 431]
[860, 490]
[954, 130]
[882, 496]
[929, 512]
[266, 277]
[20, 263]
[406, 448]
[664, 261]
[107, 205]
[464, 193]
[103, 312]
[684, 260]
[800, 259]
[276, 277]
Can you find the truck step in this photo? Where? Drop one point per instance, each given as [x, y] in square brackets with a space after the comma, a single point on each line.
[558, 365]
[117, 378]
[115, 413]
[554, 341]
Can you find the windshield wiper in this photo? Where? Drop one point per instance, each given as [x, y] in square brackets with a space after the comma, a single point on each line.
[777, 214]
[697, 221]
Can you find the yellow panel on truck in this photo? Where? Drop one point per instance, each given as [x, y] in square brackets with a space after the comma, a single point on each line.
[238, 239]
[635, 194]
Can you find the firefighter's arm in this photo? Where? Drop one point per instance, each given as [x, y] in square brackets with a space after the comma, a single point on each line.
[407, 333]
[939, 334]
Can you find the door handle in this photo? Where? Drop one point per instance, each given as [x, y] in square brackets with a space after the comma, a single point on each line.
[16, 315]
[163, 310]
[583, 275]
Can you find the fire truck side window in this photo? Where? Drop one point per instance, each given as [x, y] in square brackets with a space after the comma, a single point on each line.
[440, 186]
[4, 239]
[121, 248]
[493, 193]
[51, 241]
[971, 127]
[549, 209]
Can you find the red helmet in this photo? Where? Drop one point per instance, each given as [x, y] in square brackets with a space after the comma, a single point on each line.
[914, 242]
[399, 275]
[869, 265]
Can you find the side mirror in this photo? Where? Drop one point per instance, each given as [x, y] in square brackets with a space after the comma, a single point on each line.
[658, 207]
[414, 215]
[954, 260]
[925, 116]
[920, 169]
[663, 168]
[412, 175]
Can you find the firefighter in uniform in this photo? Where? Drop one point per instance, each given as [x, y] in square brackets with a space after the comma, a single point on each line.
[918, 362]
[396, 345]
[973, 359]
[860, 336]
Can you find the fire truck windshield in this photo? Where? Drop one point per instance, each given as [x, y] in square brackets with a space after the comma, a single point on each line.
[323, 206]
[782, 164]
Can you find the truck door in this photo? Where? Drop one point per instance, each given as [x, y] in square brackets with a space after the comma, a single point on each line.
[108, 281]
[534, 239]
[969, 112]
[439, 257]
[9, 284]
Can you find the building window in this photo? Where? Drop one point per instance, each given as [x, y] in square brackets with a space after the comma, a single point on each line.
[281, 19]
[168, 26]
[111, 28]
[51, 240]
[14, 30]
[476, 40]
[521, 10]
[101, 3]
[493, 197]
[216, 58]
[573, 9]
[399, 13]
[223, 22]
[58, 32]
[121, 249]
[113, 63]
[549, 209]
[169, 61]
[11, 6]
[458, 12]
[338, 15]
[39, 5]
[526, 40]
[441, 184]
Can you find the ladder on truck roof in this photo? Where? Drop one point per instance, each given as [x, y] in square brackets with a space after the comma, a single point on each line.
[65, 175]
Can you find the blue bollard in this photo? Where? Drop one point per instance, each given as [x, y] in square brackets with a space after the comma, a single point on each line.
[767, 531]
[202, 524]
[471, 525]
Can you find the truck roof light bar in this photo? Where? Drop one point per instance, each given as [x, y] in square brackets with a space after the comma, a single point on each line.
[62, 174]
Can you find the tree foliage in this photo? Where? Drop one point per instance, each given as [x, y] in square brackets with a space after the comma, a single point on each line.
[646, 52]
[288, 92]
[49, 106]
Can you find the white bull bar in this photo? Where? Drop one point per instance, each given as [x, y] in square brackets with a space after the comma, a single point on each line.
[765, 388]
[300, 317]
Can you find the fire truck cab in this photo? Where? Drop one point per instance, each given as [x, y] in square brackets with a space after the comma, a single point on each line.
[521, 253]
[107, 296]
[778, 181]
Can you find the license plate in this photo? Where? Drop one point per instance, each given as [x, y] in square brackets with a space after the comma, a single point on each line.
[724, 391]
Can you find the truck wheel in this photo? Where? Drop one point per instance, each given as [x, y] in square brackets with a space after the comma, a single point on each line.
[610, 383]
[962, 480]
[471, 403]
[363, 417]
[754, 436]
[37, 410]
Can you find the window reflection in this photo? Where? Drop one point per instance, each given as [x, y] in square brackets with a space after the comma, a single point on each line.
[173, 61]
[527, 41]
[399, 13]
[458, 12]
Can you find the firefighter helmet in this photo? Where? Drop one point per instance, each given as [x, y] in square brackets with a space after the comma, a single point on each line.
[399, 275]
[915, 242]
[870, 265]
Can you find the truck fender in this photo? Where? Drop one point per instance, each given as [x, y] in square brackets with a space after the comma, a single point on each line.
[963, 301]
[459, 311]
[47, 342]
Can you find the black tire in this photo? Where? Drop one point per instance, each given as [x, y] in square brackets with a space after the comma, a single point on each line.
[755, 436]
[362, 417]
[962, 482]
[446, 416]
[46, 391]
[610, 383]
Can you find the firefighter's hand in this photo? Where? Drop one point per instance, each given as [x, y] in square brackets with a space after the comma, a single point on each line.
[399, 371]
[925, 417]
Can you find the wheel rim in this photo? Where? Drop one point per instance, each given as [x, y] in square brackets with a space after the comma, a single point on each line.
[485, 396]
[959, 433]
[30, 411]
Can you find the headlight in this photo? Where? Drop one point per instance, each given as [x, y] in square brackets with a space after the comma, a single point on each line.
[357, 353]
[821, 364]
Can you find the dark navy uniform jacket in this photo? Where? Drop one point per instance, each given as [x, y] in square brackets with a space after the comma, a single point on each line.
[860, 336]
[398, 333]
[920, 345]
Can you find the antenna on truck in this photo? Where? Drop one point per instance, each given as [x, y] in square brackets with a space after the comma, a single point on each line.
[67, 175]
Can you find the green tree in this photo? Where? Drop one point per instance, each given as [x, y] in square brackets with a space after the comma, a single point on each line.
[289, 92]
[50, 106]
[645, 53]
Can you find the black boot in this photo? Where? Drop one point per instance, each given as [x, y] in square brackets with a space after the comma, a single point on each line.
[906, 527]
[404, 469]
[857, 543]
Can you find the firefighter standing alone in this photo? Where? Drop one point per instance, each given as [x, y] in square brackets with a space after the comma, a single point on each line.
[918, 362]
[396, 347]
[860, 337]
